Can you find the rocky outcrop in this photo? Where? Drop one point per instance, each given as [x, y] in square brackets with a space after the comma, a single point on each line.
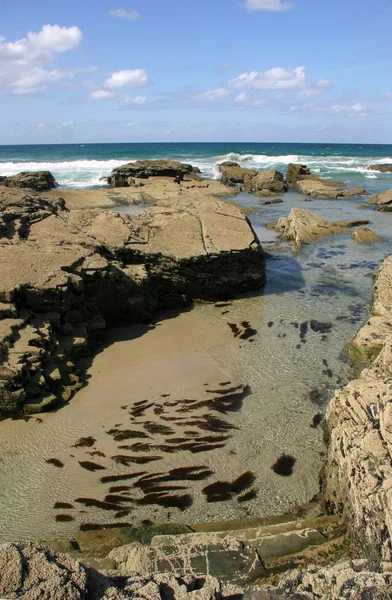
[358, 473]
[125, 175]
[384, 198]
[386, 168]
[317, 188]
[40, 181]
[363, 235]
[31, 573]
[304, 227]
[349, 579]
[265, 183]
[298, 172]
[66, 275]
[232, 173]
[303, 181]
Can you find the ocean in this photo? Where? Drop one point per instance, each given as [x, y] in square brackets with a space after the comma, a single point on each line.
[84, 165]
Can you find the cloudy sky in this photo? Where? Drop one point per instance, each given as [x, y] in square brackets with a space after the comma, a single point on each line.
[187, 70]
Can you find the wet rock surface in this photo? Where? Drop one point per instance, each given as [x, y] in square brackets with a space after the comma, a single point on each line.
[358, 473]
[39, 180]
[384, 198]
[233, 173]
[66, 275]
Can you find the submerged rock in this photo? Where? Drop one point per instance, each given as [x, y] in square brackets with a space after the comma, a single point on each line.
[386, 168]
[363, 235]
[38, 180]
[384, 198]
[304, 227]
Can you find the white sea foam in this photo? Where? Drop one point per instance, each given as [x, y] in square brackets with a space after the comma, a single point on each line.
[89, 173]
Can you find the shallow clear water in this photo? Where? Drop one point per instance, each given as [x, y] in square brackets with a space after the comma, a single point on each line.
[292, 372]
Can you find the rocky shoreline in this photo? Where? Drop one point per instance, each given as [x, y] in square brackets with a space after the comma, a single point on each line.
[69, 275]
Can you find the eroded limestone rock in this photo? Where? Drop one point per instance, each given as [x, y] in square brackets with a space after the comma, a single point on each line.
[125, 175]
[35, 180]
[384, 198]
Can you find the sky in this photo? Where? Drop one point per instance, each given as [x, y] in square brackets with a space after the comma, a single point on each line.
[85, 71]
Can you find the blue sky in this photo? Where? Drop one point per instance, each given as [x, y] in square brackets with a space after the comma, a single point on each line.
[206, 70]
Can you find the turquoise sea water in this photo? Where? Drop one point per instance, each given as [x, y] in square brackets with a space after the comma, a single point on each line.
[83, 165]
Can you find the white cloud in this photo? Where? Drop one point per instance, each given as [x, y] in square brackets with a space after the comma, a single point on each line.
[352, 110]
[273, 79]
[132, 123]
[315, 89]
[121, 13]
[65, 124]
[134, 99]
[22, 62]
[127, 78]
[242, 97]
[210, 95]
[40, 125]
[42, 45]
[269, 5]
[101, 94]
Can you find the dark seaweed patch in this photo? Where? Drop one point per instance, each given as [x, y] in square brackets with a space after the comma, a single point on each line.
[284, 465]
[115, 499]
[320, 327]
[181, 502]
[92, 502]
[220, 491]
[98, 526]
[139, 460]
[63, 505]
[90, 466]
[55, 462]
[270, 324]
[64, 518]
[303, 330]
[85, 442]
[235, 329]
[119, 488]
[248, 333]
[318, 417]
[137, 447]
[97, 453]
[139, 411]
[127, 434]
[158, 428]
[248, 496]
[114, 478]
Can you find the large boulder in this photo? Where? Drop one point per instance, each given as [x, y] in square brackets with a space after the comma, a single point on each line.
[265, 183]
[363, 235]
[125, 175]
[38, 180]
[67, 274]
[297, 172]
[383, 198]
[303, 227]
[233, 173]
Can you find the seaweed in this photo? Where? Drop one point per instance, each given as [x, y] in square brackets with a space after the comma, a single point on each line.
[181, 502]
[320, 327]
[85, 442]
[97, 453]
[119, 488]
[90, 466]
[114, 478]
[98, 526]
[248, 333]
[318, 417]
[63, 505]
[248, 496]
[158, 428]
[92, 502]
[64, 518]
[221, 491]
[284, 465]
[235, 329]
[126, 434]
[114, 499]
[55, 462]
